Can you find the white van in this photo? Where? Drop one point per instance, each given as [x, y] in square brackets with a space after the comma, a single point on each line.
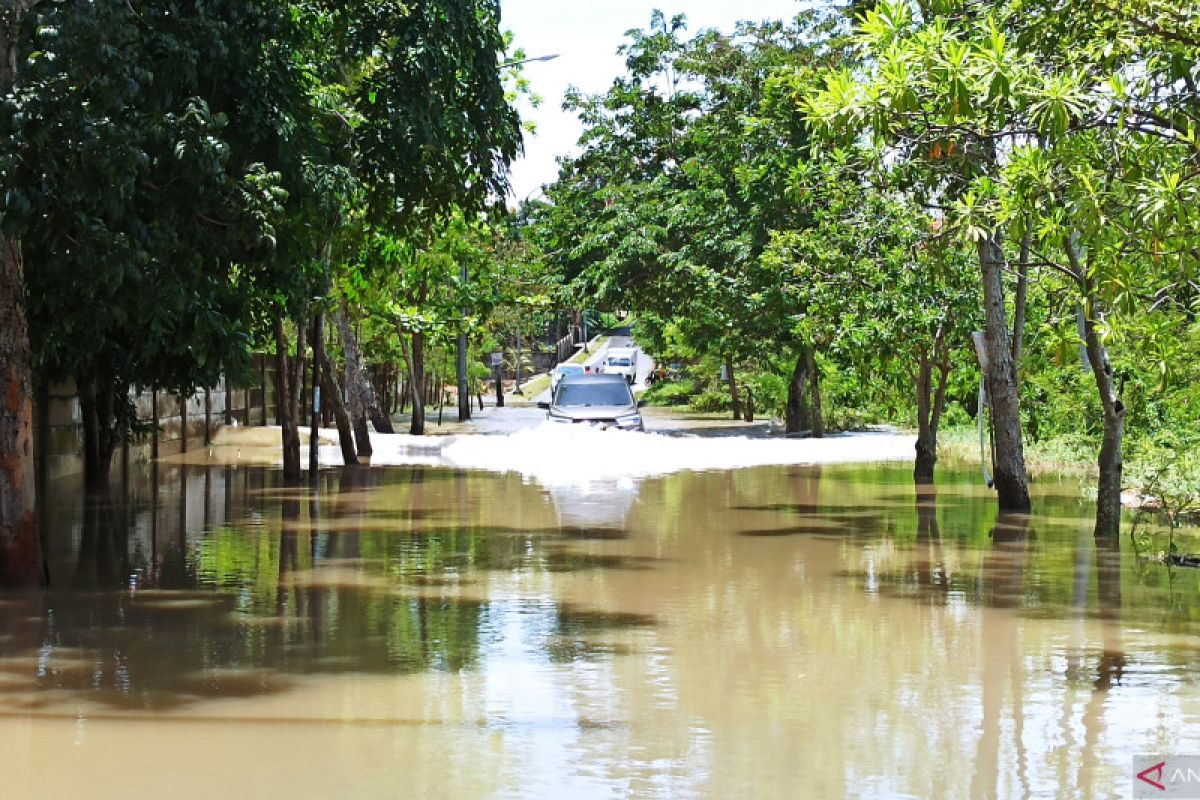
[621, 361]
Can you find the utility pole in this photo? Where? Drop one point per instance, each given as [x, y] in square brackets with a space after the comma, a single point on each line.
[314, 437]
[498, 365]
[517, 386]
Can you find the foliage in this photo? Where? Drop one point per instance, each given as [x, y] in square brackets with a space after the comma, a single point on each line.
[670, 393]
[710, 400]
[180, 174]
[146, 201]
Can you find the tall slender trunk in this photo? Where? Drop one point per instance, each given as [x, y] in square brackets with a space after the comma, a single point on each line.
[1108, 494]
[103, 425]
[796, 414]
[95, 466]
[287, 385]
[416, 384]
[814, 385]
[1012, 485]
[734, 397]
[926, 439]
[20, 545]
[361, 394]
[297, 393]
[333, 396]
[931, 402]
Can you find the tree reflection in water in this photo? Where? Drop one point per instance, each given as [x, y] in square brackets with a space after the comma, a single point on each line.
[1110, 666]
[928, 565]
[1004, 569]
[169, 599]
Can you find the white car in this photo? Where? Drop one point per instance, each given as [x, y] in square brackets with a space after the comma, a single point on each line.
[601, 401]
[621, 361]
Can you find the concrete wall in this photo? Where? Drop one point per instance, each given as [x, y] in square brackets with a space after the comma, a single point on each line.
[174, 423]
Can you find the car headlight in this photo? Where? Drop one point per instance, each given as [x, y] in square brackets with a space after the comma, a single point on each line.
[629, 421]
[556, 418]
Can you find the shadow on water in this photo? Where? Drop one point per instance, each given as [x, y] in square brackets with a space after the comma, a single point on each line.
[200, 586]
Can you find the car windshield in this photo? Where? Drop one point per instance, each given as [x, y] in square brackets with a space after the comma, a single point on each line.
[569, 370]
[618, 362]
[593, 394]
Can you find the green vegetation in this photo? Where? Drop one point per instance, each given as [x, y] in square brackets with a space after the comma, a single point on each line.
[828, 206]
[187, 183]
[823, 209]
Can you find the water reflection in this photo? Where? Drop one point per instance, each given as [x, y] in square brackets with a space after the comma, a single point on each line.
[158, 606]
[774, 632]
[1003, 672]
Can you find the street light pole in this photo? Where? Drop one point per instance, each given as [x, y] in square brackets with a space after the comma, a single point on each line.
[517, 388]
[464, 397]
[550, 57]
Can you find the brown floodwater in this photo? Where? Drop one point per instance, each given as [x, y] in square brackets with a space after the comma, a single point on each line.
[776, 631]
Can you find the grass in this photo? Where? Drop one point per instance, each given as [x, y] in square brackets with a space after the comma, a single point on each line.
[541, 383]
[596, 344]
[1041, 458]
[536, 386]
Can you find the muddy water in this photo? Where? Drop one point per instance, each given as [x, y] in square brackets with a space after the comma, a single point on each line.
[427, 632]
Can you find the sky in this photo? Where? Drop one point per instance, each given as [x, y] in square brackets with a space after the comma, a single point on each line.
[586, 34]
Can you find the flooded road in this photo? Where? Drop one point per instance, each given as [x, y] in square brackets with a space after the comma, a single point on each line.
[426, 631]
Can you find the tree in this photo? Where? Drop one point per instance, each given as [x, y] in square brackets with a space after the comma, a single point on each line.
[20, 549]
[432, 132]
[673, 199]
[142, 196]
[948, 93]
[881, 286]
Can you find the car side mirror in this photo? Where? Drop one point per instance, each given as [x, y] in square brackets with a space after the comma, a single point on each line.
[641, 403]
[543, 404]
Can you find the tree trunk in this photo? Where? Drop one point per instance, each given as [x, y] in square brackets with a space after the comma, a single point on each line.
[287, 386]
[102, 425]
[814, 383]
[440, 394]
[926, 438]
[1108, 494]
[930, 404]
[359, 391]
[20, 545]
[416, 384]
[735, 399]
[796, 413]
[460, 364]
[333, 396]
[1009, 469]
[296, 390]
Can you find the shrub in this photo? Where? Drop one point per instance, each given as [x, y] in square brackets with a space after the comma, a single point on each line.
[712, 400]
[670, 393]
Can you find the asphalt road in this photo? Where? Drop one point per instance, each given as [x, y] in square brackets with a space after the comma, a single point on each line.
[619, 338]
